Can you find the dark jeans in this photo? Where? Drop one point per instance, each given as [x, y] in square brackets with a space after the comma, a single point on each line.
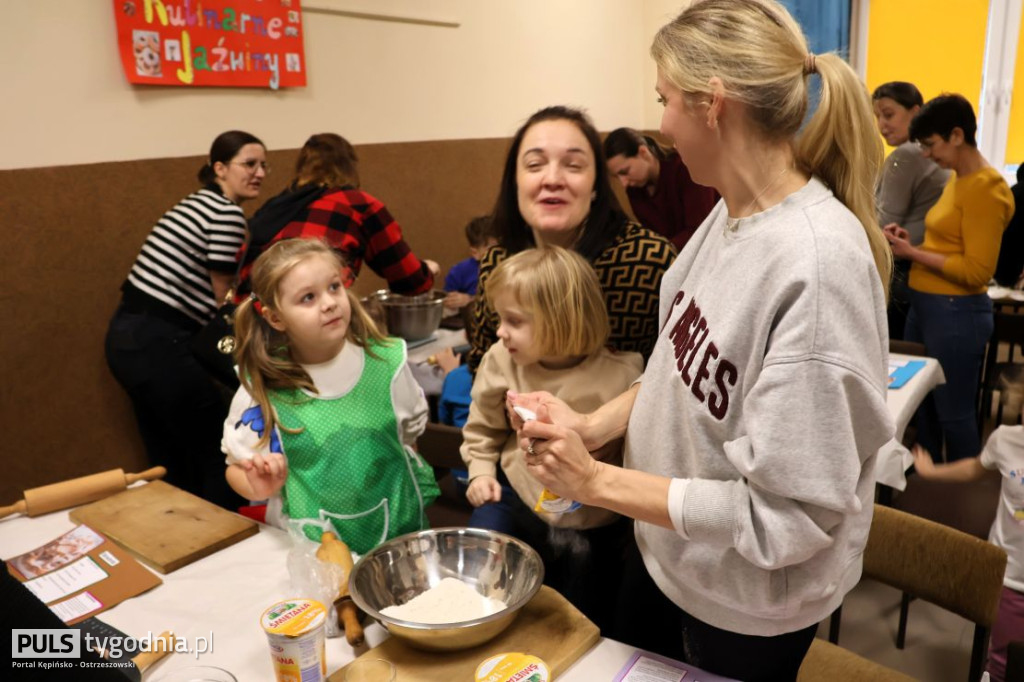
[500, 515]
[647, 619]
[585, 566]
[179, 409]
[955, 330]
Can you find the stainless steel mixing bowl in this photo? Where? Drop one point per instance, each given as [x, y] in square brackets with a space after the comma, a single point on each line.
[497, 565]
[411, 317]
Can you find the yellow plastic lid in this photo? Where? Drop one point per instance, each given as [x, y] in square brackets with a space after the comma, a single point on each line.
[513, 667]
[293, 617]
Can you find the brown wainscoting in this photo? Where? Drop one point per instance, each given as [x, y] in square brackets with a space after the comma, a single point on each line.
[72, 233]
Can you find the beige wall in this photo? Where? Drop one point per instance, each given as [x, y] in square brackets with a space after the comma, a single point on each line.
[67, 101]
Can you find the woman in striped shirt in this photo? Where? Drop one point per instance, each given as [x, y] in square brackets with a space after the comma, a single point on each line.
[175, 286]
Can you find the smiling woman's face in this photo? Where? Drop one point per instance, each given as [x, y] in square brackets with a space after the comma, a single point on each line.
[555, 176]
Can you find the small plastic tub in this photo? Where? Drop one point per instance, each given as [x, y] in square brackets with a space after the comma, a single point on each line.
[295, 632]
[513, 667]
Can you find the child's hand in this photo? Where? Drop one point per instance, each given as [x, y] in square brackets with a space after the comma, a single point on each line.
[483, 489]
[923, 463]
[265, 473]
[447, 360]
[457, 299]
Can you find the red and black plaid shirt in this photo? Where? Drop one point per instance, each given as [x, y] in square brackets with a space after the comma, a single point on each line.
[359, 226]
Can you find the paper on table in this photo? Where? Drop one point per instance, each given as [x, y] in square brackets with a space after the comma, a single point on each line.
[901, 372]
[76, 607]
[68, 580]
[646, 669]
[643, 666]
[60, 572]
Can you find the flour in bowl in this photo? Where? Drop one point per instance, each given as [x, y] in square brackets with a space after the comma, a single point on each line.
[450, 601]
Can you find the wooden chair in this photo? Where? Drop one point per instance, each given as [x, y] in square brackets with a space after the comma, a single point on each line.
[1008, 328]
[939, 564]
[829, 663]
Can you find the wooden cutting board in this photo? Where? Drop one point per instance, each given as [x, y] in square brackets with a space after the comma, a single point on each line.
[163, 526]
[549, 627]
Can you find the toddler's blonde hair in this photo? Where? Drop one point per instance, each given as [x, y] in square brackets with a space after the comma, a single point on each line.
[561, 292]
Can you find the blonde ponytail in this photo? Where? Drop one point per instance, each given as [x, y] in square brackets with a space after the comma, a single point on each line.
[840, 145]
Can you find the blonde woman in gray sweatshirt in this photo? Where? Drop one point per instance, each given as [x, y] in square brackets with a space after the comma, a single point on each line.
[752, 435]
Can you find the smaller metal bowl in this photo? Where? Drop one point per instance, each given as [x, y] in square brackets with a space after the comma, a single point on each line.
[497, 565]
[410, 317]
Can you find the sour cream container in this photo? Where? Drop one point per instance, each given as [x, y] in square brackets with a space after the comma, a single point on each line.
[295, 632]
[513, 667]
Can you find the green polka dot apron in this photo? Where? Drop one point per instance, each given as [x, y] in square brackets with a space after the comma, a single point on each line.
[348, 467]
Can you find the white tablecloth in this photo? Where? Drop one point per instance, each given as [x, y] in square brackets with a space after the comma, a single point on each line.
[223, 596]
[893, 458]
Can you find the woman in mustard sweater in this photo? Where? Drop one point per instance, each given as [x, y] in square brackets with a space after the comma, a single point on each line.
[950, 311]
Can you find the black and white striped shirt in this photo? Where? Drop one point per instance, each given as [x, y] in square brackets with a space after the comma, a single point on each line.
[202, 233]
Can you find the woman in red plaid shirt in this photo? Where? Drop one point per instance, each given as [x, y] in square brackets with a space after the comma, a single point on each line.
[324, 201]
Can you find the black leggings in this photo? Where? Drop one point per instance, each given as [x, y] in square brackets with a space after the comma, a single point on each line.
[647, 619]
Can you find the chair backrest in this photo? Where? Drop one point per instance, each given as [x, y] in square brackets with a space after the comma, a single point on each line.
[951, 569]
[826, 662]
[1007, 328]
[907, 347]
[968, 506]
[439, 446]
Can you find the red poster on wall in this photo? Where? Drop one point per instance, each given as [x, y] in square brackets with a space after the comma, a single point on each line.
[240, 43]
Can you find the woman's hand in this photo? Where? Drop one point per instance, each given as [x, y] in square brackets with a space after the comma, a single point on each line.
[434, 268]
[483, 489]
[556, 456]
[265, 473]
[899, 240]
[556, 411]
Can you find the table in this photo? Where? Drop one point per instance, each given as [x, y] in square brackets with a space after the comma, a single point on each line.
[894, 459]
[1006, 299]
[222, 597]
[431, 377]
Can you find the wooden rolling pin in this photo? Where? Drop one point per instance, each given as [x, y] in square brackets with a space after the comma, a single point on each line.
[77, 491]
[162, 645]
[333, 550]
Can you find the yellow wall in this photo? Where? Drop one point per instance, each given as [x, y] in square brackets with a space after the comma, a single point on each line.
[938, 45]
[1015, 141]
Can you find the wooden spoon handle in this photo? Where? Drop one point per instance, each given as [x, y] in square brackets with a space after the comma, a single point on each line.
[147, 475]
[162, 645]
[16, 508]
[348, 614]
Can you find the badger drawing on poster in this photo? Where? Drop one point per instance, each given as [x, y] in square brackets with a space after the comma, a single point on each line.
[146, 46]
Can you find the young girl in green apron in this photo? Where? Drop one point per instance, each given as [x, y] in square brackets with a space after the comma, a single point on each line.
[328, 412]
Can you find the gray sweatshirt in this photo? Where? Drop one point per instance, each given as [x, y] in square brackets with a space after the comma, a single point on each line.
[766, 395]
[909, 185]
